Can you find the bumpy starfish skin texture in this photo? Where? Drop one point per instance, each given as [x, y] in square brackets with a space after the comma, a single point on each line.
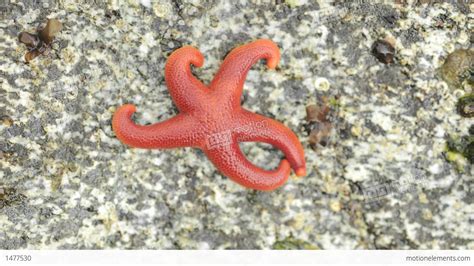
[212, 119]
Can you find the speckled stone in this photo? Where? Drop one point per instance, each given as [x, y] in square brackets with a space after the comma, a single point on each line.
[381, 180]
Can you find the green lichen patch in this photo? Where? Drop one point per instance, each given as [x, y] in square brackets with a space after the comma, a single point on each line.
[334, 102]
[466, 105]
[293, 243]
[460, 151]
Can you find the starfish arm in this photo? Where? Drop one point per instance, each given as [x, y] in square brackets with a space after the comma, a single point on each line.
[258, 128]
[229, 80]
[231, 162]
[185, 89]
[178, 131]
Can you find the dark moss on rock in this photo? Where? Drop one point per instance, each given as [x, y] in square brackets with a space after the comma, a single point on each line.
[465, 105]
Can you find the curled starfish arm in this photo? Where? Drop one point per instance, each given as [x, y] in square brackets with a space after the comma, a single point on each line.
[178, 131]
[258, 128]
[229, 80]
[230, 160]
[185, 89]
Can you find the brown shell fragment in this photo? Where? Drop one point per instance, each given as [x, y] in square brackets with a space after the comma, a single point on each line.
[30, 40]
[319, 124]
[319, 134]
[53, 26]
[40, 43]
[32, 55]
[316, 113]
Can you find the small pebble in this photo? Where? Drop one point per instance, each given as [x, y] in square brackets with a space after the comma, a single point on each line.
[457, 64]
[383, 51]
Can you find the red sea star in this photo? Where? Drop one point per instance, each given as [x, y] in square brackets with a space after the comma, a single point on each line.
[212, 119]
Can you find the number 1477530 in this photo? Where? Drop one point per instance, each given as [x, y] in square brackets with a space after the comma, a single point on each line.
[18, 257]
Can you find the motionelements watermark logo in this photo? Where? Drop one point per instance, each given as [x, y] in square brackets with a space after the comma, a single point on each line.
[224, 138]
[376, 192]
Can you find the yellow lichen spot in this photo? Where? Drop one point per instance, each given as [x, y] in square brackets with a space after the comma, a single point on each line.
[351, 71]
[356, 130]
[459, 161]
[70, 5]
[298, 221]
[130, 75]
[134, 3]
[457, 205]
[120, 23]
[329, 184]
[422, 198]
[68, 55]
[427, 215]
[335, 205]
[56, 182]
[108, 215]
[295, 3]
[463, 38]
